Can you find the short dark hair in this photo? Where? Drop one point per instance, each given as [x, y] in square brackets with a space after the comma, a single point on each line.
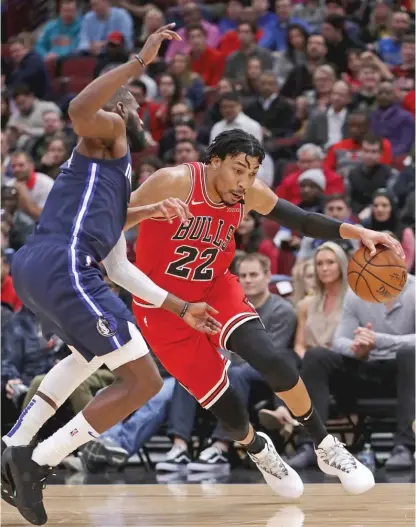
[18, 153]
[262, 259]
[138, 84]
[230, 96]
[373, 139]
[185, 122]
[21, 89]
[232, 143]
[252, 25]
[359, 113]
[153, 161]
[337, 21]
[336, 197]
[122, 95]
[189, 141]
[195, 27]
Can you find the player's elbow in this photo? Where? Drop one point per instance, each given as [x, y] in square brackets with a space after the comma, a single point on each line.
[76, 113]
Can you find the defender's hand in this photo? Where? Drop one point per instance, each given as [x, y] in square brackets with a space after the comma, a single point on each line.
[153, 43]
[198, 317]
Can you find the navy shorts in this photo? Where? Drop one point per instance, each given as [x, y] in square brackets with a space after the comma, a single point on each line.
[67, 292]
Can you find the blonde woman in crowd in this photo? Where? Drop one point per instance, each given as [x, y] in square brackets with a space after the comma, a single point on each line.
[318, 314]
[303, 280]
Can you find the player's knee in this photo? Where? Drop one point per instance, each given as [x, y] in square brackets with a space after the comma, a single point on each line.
[140, 379]
[232, 415]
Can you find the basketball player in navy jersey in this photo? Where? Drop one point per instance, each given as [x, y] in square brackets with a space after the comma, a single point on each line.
[57, 276]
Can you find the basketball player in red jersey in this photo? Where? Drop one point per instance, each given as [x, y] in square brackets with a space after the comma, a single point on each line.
[191, 259]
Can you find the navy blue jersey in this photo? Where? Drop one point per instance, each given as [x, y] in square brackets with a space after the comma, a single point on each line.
[87, 206]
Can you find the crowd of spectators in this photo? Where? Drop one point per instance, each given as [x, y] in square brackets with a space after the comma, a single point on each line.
[328, 87]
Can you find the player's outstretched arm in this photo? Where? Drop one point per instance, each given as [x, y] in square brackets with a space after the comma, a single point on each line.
[123, 273]
[313, 224]
[85, 110]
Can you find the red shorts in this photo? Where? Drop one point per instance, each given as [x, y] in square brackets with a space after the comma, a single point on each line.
[192, 357]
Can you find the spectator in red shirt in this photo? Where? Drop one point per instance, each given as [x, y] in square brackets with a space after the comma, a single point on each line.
[8, 294]
[405, 72]
[309, 156]
[230, 41]
[346, 154]
[207, 62]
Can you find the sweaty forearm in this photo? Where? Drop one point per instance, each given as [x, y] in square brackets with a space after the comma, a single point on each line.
[308, 223]
[94, 96]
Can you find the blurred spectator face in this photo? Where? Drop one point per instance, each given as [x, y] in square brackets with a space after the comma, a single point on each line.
[68, 11]
[153, 20]
[327, 267]
[138, 93]
[324, 80]
[100, 7]
[316, 48]
[260, 6]
[253, 279]
[166, 86]
[234, 10]
[370, 154]
[369, 78]
[249, 15]
[386, 95]
[283, 9]
[254, 68]
[309, 277]
[245, 35]
[197, 40]
[18, 52]
[230, 109]
[400, 24]
[268, 85]
[333, 8]
[180, 111]
[24, 103]
[51, 123]
[9, 199]
[179, 64]
[297, 39]
[408, 53]
[354, 62]
[310, 192]
[340, 95]
[381, 13]
[307, 159]
[182, 132]
[145, 171]
[381, 208]
[246, 226]
[57, 151]
[21, 167]
[337, 209]
[358, 127]
[330, 33]
[224, 86]
[185, 152]
[191, 14]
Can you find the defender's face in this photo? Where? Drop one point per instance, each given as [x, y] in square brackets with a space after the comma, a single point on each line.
[234, 176]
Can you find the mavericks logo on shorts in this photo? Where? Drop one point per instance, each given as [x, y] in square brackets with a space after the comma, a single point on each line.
[106, 326]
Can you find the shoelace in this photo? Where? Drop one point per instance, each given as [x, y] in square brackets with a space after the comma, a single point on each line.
[272, 464]
[337, 456]
[209, 452]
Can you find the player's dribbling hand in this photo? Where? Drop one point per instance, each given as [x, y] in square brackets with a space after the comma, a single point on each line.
[371, 238]
[152, 44]
[198, 317]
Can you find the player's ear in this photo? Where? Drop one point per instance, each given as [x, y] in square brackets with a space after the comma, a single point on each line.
[121, 110]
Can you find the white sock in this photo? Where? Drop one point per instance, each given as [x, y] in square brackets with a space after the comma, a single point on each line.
[30, 421]
[67, 439]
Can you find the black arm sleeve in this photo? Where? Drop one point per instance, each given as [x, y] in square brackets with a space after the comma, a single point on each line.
[308, 223]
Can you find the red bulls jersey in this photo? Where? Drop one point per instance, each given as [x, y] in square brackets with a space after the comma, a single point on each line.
[185, 260]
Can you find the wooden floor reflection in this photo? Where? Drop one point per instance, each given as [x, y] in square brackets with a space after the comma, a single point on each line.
[205, 505]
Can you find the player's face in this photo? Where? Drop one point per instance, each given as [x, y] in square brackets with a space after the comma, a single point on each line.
[327, 267]
[381, 208]
[234, 176]
[253, 279]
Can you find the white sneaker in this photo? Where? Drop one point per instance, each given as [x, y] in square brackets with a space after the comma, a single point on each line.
[335, 460]
[176, 460]
[212, 459]
[278, 475]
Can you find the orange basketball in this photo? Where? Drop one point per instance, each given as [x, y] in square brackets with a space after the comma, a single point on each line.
[378, 278]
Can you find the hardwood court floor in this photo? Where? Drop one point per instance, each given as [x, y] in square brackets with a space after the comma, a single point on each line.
[179, 505]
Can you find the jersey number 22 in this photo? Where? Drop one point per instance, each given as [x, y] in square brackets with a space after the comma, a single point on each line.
[181, 269]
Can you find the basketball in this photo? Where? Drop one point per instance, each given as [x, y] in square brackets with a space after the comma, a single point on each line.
[378, 278]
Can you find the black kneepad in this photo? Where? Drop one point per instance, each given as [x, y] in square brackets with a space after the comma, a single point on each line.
[232, 415]
[252, 342]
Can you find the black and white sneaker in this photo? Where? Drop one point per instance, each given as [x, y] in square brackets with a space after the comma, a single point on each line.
[102, 452]
[212, 459]
[335, 460]
[7, 490]
[28, 480]
[177, 459]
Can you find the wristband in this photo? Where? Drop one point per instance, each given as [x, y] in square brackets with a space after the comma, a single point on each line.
[140, 61]
[184, 310]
